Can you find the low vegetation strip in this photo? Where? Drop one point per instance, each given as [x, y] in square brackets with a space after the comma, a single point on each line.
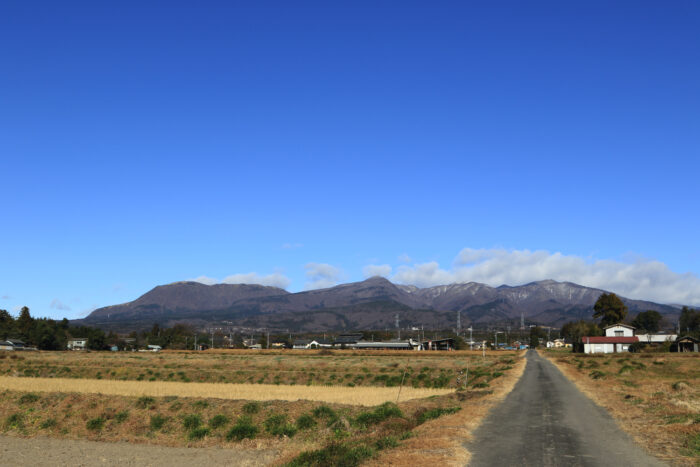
[366, 396]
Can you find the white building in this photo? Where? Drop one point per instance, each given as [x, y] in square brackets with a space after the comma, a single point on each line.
[618, 338]
[77, 343]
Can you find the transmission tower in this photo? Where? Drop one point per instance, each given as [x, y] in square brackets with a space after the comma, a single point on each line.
[459, 321]
[398, 329]
[522, 321]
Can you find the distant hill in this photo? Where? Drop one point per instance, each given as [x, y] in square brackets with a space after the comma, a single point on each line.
[370, 304]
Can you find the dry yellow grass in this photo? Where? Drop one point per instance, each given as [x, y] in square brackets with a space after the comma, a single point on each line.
[638, 391]
[441, 441]
[366, 396]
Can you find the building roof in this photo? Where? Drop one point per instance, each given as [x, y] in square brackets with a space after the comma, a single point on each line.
[688, 339]
[348, 338]
[619, 324]
[609, 339]
[301, 341]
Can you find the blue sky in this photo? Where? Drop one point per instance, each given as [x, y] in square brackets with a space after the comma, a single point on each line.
[303, 144]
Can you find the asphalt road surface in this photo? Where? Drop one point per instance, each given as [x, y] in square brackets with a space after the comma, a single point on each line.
[547, 421]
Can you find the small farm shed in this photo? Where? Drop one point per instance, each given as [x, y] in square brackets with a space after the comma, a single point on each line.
[686, 344]
[4, 345]
[409, 344]
[439, 344]
[77, 343]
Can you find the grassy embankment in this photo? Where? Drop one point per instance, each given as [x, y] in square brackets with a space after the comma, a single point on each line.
[655, 397]
[304, 432]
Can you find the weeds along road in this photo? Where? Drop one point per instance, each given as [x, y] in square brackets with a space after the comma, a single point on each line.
[547, 421]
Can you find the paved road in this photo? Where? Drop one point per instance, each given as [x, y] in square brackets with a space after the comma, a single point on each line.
[547, 421]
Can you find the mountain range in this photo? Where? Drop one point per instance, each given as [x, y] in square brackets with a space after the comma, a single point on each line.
[370, 304]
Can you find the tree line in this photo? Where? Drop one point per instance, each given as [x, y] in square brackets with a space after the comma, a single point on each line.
[610, 309]
[45, 333]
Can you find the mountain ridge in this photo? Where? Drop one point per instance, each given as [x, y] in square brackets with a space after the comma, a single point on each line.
[368, 304]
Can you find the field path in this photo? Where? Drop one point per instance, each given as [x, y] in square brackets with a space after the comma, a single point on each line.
[50, 452]
[547, 421]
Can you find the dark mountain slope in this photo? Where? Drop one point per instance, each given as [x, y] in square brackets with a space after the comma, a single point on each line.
[368, 304]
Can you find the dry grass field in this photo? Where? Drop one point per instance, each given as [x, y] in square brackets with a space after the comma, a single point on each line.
[655, 397]
[323, 419]
[366, 396]
[304, 367]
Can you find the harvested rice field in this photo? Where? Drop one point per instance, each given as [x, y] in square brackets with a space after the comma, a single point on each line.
[309, 408]
[366, 396]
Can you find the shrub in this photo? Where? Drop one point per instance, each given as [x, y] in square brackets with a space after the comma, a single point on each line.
[14, 421]
[145, 402]
[680, 386]
[197, 433]
[625, 369]
[121, 416]
[386, 442]
[251, 407]
[323, 411]
[200, 404]
[48, 423]
[481, 385]
[29, 398]
[95, 424]
[435, 413]
[596, 374]
[333, 454]
[276, 424]
[243, 428]
[305, 421]
[192, 421]
[157, 422]
[381, 413]
[218, 421]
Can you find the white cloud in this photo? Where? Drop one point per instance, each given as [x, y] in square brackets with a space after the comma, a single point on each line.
[372, 270]
[321, 275]
[56, 304]
[639, 279]
[87, 311]
[274, 280]
[404, 258]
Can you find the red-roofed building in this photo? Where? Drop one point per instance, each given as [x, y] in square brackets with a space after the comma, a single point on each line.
[618, 338]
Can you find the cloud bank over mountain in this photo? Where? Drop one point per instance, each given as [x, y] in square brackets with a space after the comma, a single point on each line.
[275, 279]
[640, 279]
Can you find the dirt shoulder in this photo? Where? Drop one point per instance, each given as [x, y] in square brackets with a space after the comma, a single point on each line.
[442, 442]
[50, 452]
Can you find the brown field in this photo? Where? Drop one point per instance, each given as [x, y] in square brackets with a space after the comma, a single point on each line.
[288, 367]
[353, 432]
[655, 397]
[366, 396]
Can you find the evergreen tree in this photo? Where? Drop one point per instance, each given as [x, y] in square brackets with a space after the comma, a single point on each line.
[610, 309]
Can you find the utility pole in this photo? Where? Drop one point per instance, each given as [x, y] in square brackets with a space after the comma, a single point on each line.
[268, 339]
[459, 321]
[212, 338]
[398, 329]
[471, 340]
[195, 341]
